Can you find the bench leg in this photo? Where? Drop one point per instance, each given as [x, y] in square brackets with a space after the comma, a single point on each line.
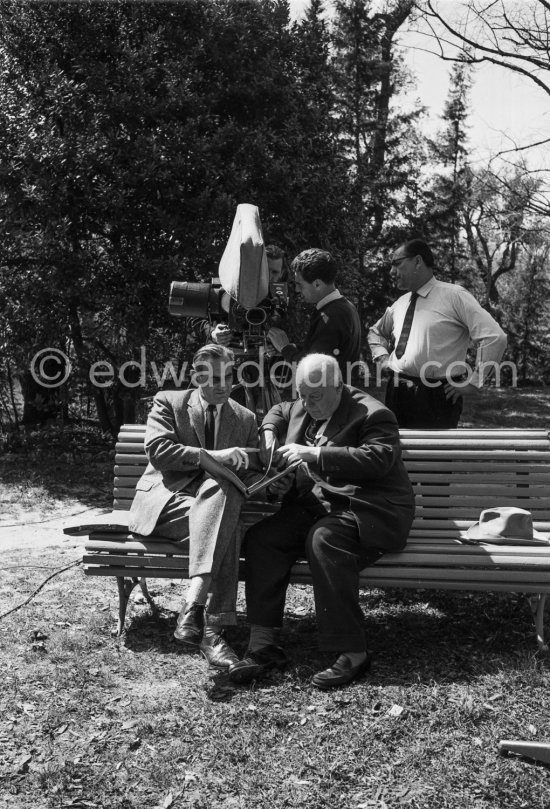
[538, 603]
[125, 587]
[147, 595]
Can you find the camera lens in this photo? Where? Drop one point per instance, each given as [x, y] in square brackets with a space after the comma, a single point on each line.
[256, 316]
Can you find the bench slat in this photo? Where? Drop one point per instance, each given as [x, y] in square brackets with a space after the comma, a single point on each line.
[471, 562]
[129, 446]
[426, 484]
[462, 468]
[484, 498]
[457, 432]
[383, 578]
[483, 484]
[513, 578]
[132, 545]
[129, 470]
[497, 454]
[137, 560]
[126, 458]
[456, 513]
[476, 443]
[151, 573]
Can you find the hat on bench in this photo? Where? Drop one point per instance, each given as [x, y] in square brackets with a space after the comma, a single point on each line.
[506, 525]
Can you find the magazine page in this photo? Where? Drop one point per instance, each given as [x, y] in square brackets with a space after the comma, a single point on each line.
[218, 470]
[268, 479]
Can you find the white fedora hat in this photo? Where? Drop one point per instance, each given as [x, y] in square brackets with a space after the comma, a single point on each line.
[506, 525]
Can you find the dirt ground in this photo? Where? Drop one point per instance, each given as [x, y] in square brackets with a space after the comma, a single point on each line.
[42, 534]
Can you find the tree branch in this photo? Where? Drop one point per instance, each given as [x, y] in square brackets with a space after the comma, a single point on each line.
[496, 55]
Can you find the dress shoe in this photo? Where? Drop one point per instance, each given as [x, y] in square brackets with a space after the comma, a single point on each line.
[341, 672]
[255, 664]
[190, 626]
[216, 650]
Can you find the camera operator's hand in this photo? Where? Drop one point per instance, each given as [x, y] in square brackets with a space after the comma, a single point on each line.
[234, 457]
[270, 351]
[268, 439]
[222, 334]
[278, 338]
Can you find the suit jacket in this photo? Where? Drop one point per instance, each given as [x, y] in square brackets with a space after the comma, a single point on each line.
[360, 467]
[173, 440]
[335, 330]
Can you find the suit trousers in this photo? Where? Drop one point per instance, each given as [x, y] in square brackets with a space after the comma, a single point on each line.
[330, 541]
[208, 524]
[421, 407]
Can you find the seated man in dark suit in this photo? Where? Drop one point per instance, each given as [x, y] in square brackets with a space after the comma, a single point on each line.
[350, 502]
[174, 499]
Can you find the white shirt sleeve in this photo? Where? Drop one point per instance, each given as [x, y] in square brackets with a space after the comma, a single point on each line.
[380, 335]
[485, 333]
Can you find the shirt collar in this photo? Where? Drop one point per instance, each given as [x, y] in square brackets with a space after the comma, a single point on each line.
[425, 289]
[332, 296]
[204, 404]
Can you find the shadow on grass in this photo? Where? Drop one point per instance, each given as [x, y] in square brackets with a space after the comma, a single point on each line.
[70, 464]
[508, 407]
[414, 638]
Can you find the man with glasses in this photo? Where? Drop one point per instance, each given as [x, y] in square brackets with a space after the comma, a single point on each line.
[348, 502]
[421, 342]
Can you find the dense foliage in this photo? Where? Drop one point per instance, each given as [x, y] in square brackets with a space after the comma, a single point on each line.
[129, 132]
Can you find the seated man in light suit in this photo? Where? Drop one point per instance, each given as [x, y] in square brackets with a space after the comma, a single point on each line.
[350, 502]
[174, 499]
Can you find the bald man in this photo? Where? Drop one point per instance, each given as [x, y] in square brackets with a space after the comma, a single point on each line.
[349, 502]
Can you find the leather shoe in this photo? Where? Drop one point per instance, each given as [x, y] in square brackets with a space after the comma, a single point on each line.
[255, 664]
[216, 651]
[340, 673]
[190, 627]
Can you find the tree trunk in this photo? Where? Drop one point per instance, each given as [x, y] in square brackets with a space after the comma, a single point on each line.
[103, 412]
[39, 403]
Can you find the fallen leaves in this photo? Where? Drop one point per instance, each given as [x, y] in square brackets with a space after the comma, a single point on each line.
[22, 764]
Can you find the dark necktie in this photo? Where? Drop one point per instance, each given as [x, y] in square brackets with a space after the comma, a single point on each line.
[312, 430]
[210, 427]
[406, 330]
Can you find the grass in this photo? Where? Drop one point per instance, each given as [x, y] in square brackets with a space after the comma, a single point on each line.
[87, 720]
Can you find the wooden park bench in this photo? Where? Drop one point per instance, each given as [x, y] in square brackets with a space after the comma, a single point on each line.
[455, 474]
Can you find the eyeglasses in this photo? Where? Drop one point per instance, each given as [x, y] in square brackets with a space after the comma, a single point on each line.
[396, 262]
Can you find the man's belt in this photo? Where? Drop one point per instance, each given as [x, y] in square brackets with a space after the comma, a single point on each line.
[428, 381]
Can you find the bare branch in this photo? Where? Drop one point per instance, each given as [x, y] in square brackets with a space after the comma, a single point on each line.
[521, 148]
[527, 43]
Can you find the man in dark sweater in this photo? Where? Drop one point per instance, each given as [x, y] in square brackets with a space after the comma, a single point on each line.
[335, 327]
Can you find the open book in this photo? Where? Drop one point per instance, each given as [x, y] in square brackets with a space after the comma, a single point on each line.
[218, 470]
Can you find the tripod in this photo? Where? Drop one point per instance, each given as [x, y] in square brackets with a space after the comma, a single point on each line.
[256, 387]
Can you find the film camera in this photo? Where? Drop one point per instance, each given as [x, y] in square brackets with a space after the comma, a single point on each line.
[244, 293]
[250, 302]
[210, 301]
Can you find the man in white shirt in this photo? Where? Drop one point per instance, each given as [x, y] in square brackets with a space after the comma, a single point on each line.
[421, 342]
